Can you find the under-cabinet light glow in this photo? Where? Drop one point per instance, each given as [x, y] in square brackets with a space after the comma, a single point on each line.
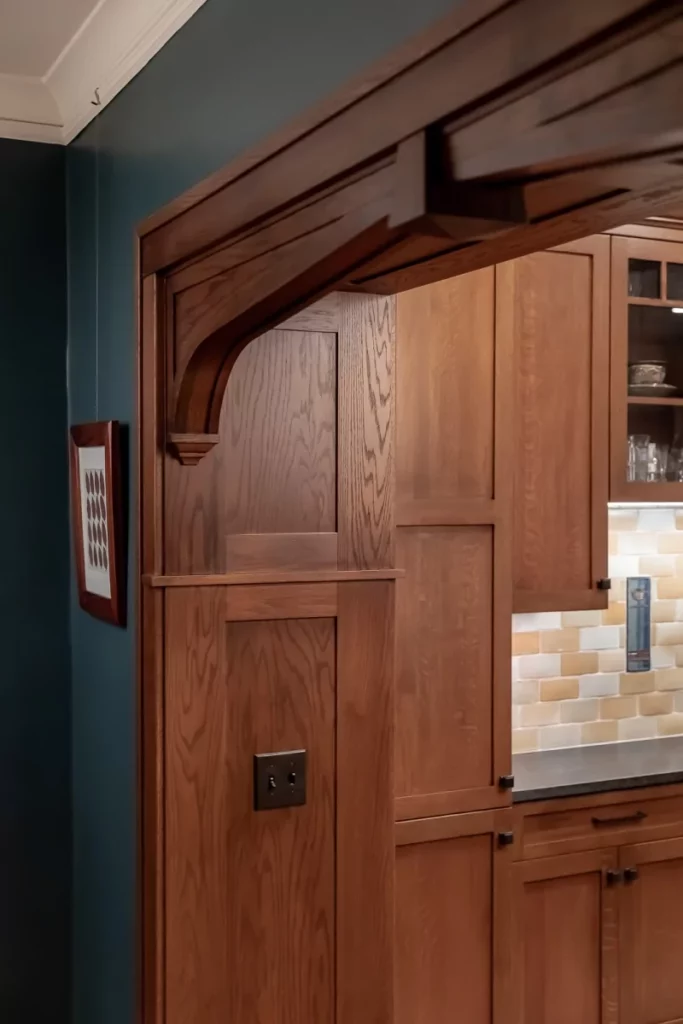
[677, 309]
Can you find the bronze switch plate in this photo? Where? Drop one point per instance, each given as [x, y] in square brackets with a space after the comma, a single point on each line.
[279, 780]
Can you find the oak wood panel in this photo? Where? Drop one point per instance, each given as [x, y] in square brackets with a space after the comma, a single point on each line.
[245, 552]
[272, 576]
[280, 601]
[365, 783]
[554, 303]
[365, 515]
[274, 468]
[651, 934]
[444, 663]
[238, 880]
[445, 390]
[566, 940]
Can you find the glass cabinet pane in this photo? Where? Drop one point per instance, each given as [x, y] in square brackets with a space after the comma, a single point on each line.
[644, 279]
[674, 281]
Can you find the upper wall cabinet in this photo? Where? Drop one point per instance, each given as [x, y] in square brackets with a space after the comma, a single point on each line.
[647, 370]
[555, 305]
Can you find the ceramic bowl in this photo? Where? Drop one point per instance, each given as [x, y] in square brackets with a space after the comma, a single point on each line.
[646, 373]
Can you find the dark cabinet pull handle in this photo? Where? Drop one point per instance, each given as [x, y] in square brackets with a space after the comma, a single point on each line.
[627, 819]
[612, 877]
[604, 584]
[506, 782]
[630, 874]
[506, 838]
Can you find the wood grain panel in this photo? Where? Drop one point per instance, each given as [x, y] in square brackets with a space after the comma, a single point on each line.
[274, 469]
[365, 782]
[651, 934]
[247, 552]
[555, 305]
[280, 601]
[567, 940]
[445, 354]
[444, 938]
[444, 661]
[366, 432]
[239, 881]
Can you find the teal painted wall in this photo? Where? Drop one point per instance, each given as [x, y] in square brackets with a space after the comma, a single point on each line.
[238, 70]
[35, 822]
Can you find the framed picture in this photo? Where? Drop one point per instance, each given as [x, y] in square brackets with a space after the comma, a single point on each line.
[97, 520]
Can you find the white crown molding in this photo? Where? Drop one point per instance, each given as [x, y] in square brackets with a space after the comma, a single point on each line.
[109, 49]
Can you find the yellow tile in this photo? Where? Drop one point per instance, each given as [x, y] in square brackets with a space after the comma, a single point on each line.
[579, 710]
[656, 565]
[656, 704]
[599, 732]
[622, 519]
[664, 611]
[668, 679]
[559, 689]
[668, 633]
[618, 707]
[524, 739]
[588, 618]
[670, 725]
[525, 643]
[614, 614]
[612, 661]
[637, 682]
[531, 715]
[579, 664]
[553, 641]
[669, 588]
[670, 543]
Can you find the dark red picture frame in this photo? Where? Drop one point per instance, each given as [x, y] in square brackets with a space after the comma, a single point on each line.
[100, 435]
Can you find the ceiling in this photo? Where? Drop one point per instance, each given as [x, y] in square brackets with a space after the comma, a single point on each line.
[61, 61]
[34, 33]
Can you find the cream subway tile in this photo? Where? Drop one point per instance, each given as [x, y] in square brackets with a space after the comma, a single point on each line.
[540, 666]
[514, 671]
[655, 703]
[580, 664]
[678, 700]
[525, 643]
[663, 657]
[638, 543]
[679, 520]
[621, 566]
[623, 519]
[667, 588]
[656, 520]
[679, 611]
[614, 614]
[532, 715]
[599, 638]
[668, 679]
[668, 725]
[559, 736]
[559, 640]
[600, 685]
[523, 740]
[589, 618]
[563, 688]
[525, 691]
[668, 633]
[531, 622]
[670, 543]
[599, 732]
[515, 715]
[656, 565]
[579, 710]
[622, 635]
[618, 707]
[637, 682]
[664, 611]
[618, 591]
[637, 728]
[678, 562]
[613, 543]
[612, 661]
[678, 655]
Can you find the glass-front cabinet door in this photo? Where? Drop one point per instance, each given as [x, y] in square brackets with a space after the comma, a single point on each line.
[646, 370]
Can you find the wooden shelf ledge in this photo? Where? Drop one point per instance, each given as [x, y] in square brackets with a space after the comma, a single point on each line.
[632, 400]
[241, 578]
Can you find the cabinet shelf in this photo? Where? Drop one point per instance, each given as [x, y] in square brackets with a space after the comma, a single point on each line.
[634, 300]
[632, 400]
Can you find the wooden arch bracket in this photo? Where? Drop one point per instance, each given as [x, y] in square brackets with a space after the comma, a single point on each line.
[190, 448]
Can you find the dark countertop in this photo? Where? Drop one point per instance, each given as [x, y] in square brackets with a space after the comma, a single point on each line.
[600, 768]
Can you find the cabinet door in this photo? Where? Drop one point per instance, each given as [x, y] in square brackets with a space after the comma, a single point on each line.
[555, 306]
[651, 933]
[453, 919]
[565, 939]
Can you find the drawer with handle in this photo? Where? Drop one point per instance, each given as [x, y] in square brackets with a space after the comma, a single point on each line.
[585, 828]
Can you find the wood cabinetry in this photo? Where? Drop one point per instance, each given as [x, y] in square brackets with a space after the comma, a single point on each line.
[555, 307]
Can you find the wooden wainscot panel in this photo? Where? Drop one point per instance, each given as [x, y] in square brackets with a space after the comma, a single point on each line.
[453, 920]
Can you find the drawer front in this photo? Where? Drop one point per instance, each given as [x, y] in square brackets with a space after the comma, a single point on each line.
[586, 828]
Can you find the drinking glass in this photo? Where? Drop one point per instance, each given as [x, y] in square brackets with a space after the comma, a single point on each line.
[638, 457]
[657, 462]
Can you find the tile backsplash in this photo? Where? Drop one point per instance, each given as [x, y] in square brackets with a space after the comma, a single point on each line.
[569, 684]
